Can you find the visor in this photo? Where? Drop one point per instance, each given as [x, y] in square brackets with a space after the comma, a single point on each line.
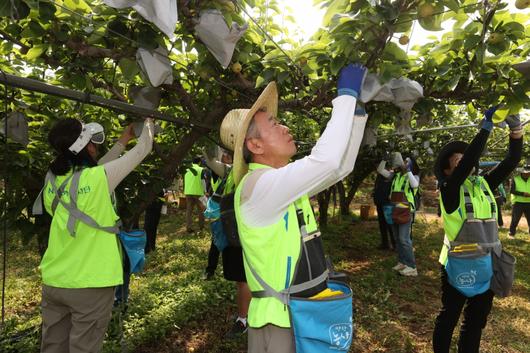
[91, 132]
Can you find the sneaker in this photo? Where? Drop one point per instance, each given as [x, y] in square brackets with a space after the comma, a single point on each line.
[238, 329]
[207, 275]
[409, 272]
[399, 267]
[511, 236]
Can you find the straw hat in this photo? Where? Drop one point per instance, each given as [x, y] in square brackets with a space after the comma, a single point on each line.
[235, 125]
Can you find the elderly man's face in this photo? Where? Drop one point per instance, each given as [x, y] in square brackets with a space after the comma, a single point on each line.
[274, 141]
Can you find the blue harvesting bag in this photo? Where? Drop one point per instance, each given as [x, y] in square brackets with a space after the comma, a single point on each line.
[213, 209]
[134, 244]
[387, 210]
[219, 237]
[470, 276]
[323, 325]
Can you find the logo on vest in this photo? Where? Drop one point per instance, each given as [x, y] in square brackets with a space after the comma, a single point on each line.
[466, 279]
[340, 335]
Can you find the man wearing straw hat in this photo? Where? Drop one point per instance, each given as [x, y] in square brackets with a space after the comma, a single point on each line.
[520, 191]
[269, 187]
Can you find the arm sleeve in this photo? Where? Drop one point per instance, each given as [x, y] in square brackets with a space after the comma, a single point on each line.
[112, 154]
[381, 169]
[450, 187]
[414, 180]
[508, 164]
[119, 168]
[216, 166]
[330, 160]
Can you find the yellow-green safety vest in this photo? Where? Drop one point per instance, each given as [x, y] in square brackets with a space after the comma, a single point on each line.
[91, 258]
[401, 183]
[452, 222]
[193, 181]
[215, 183]
[273, 251]
[521, 185]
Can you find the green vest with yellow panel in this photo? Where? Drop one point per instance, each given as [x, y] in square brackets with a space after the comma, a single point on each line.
[521, 185]
[481, 205]
[91, 257]
[401, 183]
[193, 181]
[273, 251]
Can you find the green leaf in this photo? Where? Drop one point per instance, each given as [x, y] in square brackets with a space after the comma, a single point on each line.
[404, 23]
[431, 23]
[128, 67]
[32, 30]
[392, 51]
[260, 81]
[453, 5]
[77, 5]
[282, 76]
[336, 7]
[337, 64]
[471, 41]
[36, 51]
[46, 11]
[17, 9]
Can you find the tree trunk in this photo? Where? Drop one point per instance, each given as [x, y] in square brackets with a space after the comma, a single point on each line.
[323, 204]
[169, 171]
[344, 203]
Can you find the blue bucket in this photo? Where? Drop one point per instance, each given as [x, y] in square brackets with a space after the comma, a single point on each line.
[134, 244]
[324, 326]
[470, 276]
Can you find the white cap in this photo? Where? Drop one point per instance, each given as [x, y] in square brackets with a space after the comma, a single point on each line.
[91, 132]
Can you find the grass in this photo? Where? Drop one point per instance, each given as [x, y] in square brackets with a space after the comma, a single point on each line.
[172, 310]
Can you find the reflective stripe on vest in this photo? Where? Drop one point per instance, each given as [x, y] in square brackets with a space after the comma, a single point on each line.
[92, 258]
[477, 204]
[273, 251]
[193, 181]
[521, 185]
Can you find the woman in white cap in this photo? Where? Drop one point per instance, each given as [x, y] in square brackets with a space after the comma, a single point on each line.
[82, 264]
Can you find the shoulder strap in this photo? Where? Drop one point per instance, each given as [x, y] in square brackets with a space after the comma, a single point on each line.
[75, 214]
[282, 295]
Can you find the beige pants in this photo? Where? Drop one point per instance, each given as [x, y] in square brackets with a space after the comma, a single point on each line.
[191, 203]
[270, 339]
[75, 320]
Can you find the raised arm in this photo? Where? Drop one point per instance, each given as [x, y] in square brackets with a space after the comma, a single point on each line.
[510, 162]
[119, 146]
[119, 168]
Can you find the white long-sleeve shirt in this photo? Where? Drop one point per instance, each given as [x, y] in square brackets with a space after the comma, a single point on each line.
[414, 180]
[266, 195]
[118, 168]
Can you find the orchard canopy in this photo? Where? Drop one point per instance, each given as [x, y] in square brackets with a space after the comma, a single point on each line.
[90, 47]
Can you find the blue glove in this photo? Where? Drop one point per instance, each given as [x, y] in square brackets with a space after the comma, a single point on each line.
[351, 79]
[514, 122]
[359, 109]
[487, 122]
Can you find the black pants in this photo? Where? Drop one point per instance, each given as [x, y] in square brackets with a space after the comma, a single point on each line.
[517, 212]
[213, 258]
[384, 229]
[151, 220]
[476, 314]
